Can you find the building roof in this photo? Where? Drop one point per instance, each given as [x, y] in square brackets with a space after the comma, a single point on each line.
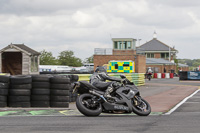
[158, 61]
[156, 45]
[19, 47]
[182, 65]
[29, 50]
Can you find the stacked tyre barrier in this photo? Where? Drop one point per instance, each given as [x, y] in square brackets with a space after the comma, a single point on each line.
[20, 91]
[40, 91]
[4, 86]
[60, 86]
[37, 90]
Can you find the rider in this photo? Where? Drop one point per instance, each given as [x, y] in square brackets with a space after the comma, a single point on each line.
[98, 79]
[149, 70]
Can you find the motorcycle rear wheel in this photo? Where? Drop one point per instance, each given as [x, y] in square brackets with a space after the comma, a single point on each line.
[86, 105]
[143, 109]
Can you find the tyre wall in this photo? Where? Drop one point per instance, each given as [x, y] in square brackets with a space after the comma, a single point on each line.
[59, 94]
[40, 93]
[37, 90]
[4, 86]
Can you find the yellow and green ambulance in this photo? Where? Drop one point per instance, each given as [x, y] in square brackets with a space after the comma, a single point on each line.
[126, 66]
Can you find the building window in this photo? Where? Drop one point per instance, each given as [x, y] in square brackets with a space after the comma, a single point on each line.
[128, 45]
[115, 45]
[119, 45]
[125, 45]
[165, 55]
[149, 55]
[122, 45]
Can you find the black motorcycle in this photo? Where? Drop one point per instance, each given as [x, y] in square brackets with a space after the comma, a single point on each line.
[149, 76]
[126, 99]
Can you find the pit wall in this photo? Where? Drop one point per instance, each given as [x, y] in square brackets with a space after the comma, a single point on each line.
[137, 78]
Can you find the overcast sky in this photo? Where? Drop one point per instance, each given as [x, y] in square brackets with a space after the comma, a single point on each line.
[82, 25]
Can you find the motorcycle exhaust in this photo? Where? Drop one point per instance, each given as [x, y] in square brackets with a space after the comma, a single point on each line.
[97, 94]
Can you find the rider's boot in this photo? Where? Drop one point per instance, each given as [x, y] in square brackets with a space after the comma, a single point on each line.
[107, 92]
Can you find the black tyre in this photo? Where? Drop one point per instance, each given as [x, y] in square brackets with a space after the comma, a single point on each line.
[73, 99]
[4, 85]
[61, 86]
[19, 104]
[75, 78]
[60, 80]
[40, 98]
[4, 92]
[41, 85]
[85, 105]
[59, 104]
[40, 104]
[142, 108]
[59, 98]
[3, 104]
[40, 78]
[4, 79]
[22, 86]
[19, 92]
[40, 91]
[19, 98]
[21, 79]
[70, 77]
[59, 92]
[3, 98]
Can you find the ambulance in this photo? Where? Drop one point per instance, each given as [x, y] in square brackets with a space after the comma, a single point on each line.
[126, 66]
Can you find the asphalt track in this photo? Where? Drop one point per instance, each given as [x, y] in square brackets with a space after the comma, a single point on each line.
[184, 119]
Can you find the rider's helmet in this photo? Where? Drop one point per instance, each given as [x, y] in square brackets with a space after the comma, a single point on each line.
[100, 69]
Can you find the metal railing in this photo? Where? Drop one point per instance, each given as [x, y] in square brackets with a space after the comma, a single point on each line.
[103, 51]
[109, 51]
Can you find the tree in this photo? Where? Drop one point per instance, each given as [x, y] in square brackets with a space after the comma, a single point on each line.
[67, 58]
[176, 61]
[89, 59]
[46, 58]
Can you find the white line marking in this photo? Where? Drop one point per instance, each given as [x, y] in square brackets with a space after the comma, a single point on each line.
[179, 104]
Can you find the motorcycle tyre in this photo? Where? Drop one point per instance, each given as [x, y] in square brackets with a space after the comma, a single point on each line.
[85, 111]
[141, 113]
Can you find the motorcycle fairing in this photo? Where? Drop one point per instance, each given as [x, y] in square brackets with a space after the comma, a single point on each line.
[115, 107]
[126, 98]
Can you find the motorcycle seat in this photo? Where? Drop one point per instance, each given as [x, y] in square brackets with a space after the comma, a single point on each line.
[88, 85]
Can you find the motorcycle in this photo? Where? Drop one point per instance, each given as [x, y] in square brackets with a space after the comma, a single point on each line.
[149, 76]
[126, 99]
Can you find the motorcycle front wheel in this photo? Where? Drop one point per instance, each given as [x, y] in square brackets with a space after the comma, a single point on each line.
[87, 106]
[140, 106]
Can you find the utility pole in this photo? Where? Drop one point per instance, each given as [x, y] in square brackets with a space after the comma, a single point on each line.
[169, 54]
